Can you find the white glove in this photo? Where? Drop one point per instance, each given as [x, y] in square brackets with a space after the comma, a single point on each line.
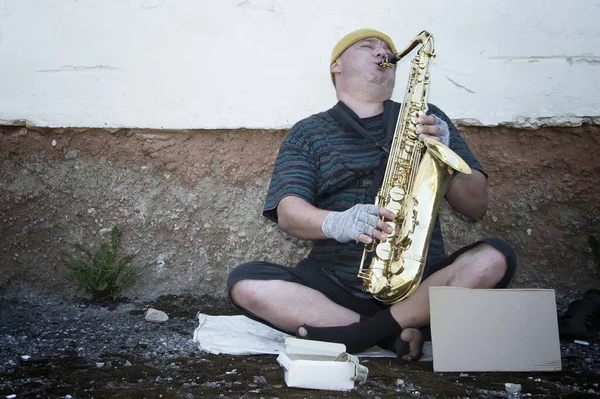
[444, 130]
[348, 225]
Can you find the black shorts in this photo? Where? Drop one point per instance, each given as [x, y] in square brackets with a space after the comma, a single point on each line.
[309, 273]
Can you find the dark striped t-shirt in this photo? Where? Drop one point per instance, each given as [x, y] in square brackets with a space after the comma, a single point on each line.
[321, 163]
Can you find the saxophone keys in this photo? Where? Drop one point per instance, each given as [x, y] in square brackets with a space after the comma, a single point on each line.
[397, 194]
[383, 251]
[377, 280]
[394, 206]
[393, 226]
[396, 269]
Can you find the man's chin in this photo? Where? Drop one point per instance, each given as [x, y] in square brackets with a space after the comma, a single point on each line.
[382, 81]
[374, 89]
[383, 90]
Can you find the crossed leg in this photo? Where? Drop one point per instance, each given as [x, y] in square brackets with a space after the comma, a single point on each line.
[296, 308]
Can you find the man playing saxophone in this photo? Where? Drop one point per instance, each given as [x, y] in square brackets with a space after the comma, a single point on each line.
[323, 188]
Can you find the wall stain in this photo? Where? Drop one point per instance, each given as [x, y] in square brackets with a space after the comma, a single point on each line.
[81, 68]
[573, 59]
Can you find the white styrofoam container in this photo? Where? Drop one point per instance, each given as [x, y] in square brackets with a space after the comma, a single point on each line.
[320, 365]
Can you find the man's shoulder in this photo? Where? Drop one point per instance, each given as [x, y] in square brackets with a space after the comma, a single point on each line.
[314, 120]
[312, 127]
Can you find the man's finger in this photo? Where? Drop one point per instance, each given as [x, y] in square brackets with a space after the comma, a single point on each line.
[426, 120]
[386, 213]
[428, 129]
[380, 236]
[383, 226]
[423, 136]
[365, 239]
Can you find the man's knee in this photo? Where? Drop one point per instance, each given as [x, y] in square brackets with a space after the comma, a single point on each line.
[503, 260]
[239, 284]
[492, 263]
[242, 292]
[253, 285]
[254, 295]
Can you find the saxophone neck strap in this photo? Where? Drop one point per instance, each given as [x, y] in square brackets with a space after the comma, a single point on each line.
[351, 122]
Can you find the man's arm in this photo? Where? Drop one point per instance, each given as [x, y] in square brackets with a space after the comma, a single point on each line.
[468, 194]
[302, 220]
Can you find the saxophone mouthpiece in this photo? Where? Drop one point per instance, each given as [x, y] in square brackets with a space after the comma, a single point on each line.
[389, 61]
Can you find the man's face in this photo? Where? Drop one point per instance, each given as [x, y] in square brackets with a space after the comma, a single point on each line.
[359, 65]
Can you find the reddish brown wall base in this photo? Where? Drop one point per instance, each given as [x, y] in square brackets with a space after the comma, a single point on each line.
[189, 203]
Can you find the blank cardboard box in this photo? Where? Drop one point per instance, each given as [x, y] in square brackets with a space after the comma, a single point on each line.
[494, 330]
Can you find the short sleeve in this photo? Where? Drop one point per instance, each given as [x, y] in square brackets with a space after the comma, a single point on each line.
[294, 174]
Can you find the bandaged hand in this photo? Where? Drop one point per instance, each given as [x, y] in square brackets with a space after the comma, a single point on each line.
[360, 219]
[434, 127]
[444, 133]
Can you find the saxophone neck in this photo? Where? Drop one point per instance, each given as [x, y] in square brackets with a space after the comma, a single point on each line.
[425, 39]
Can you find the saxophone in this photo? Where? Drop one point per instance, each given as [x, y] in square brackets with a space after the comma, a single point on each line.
[416, 179]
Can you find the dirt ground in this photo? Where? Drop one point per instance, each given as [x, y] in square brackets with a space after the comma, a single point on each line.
[59, 348]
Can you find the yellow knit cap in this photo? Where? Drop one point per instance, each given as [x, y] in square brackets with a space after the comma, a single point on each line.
[354, 37]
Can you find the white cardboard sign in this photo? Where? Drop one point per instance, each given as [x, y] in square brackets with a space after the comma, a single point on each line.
[494, 329]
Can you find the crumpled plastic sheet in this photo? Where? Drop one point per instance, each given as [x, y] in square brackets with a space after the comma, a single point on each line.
[240, 335]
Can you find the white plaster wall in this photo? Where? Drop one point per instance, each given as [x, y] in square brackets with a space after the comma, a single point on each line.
[264, 63]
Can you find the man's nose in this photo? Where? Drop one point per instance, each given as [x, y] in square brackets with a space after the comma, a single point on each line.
[380, 51]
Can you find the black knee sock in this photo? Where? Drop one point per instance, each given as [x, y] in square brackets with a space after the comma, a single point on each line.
[357, 336]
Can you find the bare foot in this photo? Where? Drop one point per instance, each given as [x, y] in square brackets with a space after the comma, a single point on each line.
[415, 342]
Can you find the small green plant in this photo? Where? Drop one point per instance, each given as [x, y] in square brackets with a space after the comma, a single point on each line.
[103, 275]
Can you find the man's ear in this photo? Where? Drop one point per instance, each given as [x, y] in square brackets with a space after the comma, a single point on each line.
[335, 67]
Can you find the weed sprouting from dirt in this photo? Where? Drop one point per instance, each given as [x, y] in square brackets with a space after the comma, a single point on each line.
[103, 275]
